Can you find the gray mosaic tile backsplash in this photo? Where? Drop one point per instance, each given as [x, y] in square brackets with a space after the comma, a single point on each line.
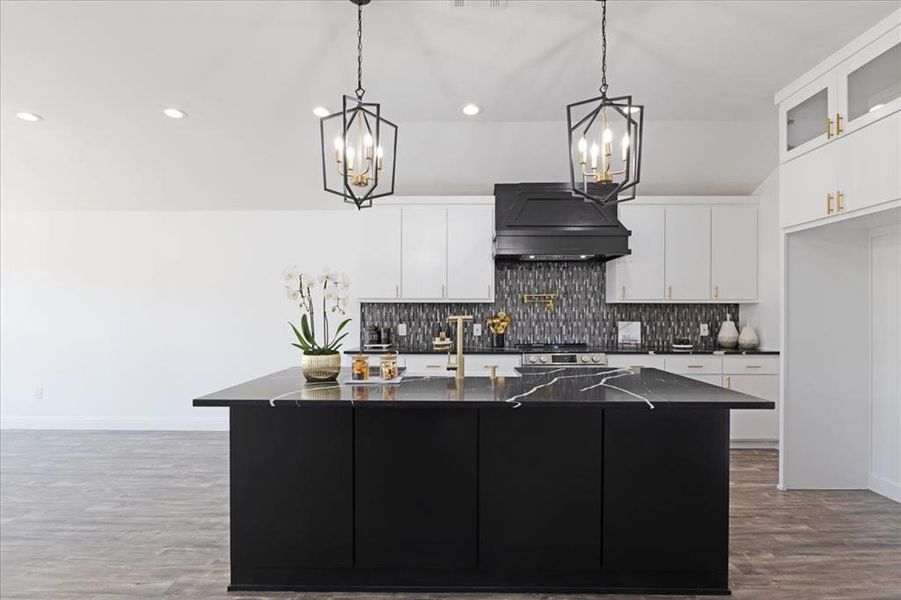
[580, 315]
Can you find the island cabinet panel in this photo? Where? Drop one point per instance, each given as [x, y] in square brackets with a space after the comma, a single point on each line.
[666, 493]
[291, 490]
[415, 473]
[540, 489]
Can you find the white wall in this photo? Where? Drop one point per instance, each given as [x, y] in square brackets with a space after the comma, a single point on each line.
[765, 315]
[824, 436]
[123, 317]
[885, 419]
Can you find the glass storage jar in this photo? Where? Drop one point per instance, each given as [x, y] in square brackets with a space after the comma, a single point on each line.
[360, 368]
[389, 366]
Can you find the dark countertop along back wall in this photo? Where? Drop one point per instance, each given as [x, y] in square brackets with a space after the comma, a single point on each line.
[580, 314]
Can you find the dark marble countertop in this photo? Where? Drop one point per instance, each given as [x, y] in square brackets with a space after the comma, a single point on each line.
[590, 386]
[598, 349]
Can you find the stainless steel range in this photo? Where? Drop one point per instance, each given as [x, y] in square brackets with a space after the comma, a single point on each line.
[561, 355]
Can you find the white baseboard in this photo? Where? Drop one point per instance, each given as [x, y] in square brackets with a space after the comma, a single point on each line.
[213, 422]
[754, 444]
[889, 489]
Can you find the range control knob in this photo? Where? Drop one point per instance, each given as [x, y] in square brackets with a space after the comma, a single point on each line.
[543, 359]
[585, 358]
[596, 358]
[531, 359]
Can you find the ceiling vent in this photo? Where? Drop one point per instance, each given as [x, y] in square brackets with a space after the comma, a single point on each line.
[479, 3]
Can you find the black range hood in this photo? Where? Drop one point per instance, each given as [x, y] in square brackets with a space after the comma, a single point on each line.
[546, 222]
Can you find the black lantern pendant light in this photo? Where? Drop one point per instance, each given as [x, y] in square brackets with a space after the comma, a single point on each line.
[596, 171]
[359, 145]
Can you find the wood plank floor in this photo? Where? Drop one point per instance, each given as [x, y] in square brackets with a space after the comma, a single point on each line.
[106, 515]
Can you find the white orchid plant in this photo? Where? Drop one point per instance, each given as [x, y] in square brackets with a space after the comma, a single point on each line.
[300, 288]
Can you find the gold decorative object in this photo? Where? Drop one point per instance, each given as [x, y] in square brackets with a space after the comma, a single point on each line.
[547, 299]
[498, 323]
[324, 367]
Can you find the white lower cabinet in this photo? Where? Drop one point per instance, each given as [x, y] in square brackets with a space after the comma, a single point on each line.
[755, 425]
[754, 374]
[476, 365]
[635, 361]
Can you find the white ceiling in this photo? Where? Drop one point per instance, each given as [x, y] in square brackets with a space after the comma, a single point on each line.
[249, 73]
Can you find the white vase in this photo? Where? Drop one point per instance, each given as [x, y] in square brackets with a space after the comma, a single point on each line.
[728, 335]
[748, 339]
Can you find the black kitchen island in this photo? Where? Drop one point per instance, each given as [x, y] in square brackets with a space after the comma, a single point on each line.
[576, 480]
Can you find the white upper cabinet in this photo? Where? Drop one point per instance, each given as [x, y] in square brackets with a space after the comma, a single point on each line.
[378, 269]
[868, 165]
[444, 253]
[687, 262]
[733, 253]
[868, 83]
[687, 251]
[807, 187]
[853, 88]
[424, 243]
[640, 275]
[470, 260]
[856, 172]
[807, 118]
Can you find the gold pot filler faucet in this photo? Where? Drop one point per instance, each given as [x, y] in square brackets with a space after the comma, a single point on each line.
[458, 367]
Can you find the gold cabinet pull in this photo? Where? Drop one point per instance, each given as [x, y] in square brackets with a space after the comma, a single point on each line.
[838, 124]
[695, 366]
[442, 291]
[434, 366]
[752, 366]
[828, 128]
[669, 292]
[489, 290]
[397, 290]
[829, 210]
[728, 383]
[716, 292]
[839, 205]
[623, 293]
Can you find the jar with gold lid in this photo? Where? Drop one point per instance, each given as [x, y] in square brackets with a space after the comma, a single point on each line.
[359, 370]
[388, 366]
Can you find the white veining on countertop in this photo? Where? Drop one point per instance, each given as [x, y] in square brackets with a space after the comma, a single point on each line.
[604, 383]
[515, 399]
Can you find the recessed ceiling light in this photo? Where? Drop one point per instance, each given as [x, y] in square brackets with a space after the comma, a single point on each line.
[175, 113]
[471, 110]
[29, 116]
[321, 111]
[876, 107]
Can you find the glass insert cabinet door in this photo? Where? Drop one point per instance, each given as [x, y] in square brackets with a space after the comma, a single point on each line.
[807, 117]
[869, 83]
[804, 122]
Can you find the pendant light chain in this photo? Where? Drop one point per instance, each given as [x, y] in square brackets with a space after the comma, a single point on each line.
[360, 91]
[603, 88]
